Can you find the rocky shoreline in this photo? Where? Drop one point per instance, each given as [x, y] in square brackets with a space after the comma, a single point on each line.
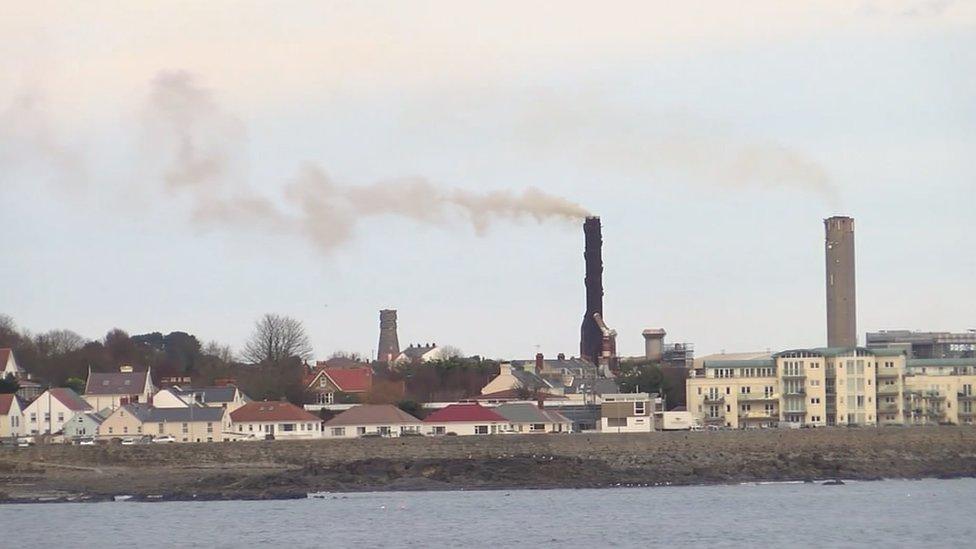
[288, 470]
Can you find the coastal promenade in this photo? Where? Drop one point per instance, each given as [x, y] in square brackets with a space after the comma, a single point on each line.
[280, 469]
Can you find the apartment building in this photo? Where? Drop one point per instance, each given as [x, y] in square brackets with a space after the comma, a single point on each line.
[798, 388]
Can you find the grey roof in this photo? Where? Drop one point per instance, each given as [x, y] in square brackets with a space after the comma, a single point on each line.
[210, 394]
[572, 365]
[529, 413]
[530, 380]
[148, 414]
[115, 383]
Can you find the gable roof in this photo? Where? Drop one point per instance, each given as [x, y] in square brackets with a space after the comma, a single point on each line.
[271, 411]
[348, 380]
[224, 393]
[7, 355]
[116, 383]
[372, 414]
[149, 414]
[530, 380]
[463, 413]
[6, 402]
[70, 399]
[523, 412]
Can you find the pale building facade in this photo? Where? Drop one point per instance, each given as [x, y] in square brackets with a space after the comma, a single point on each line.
[11, 416]
[48, 413]
[799, 388]
[629, 412]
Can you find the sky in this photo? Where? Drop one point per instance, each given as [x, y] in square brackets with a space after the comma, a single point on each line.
[191, 166]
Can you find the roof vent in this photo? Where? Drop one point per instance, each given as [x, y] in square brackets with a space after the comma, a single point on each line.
[125, 369]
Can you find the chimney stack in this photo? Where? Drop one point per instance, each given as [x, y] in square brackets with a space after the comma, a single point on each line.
[654, 344]
[841, 304]
[539, 363]
[591, 337]
[389, 346]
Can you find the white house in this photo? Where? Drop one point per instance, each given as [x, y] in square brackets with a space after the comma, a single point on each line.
[513, 379]
[526, 417]
[9, 366]
[273, 420]
[112, 389]
[48, 413]
[465, 419]
[225, 396]
[629, 412]
[11, 416]
[372, 419]
[416, 354]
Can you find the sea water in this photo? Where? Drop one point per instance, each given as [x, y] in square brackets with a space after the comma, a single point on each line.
[890, 513]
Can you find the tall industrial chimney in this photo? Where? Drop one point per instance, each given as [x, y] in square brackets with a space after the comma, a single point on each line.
[591, 336]
[841, 304]
[389, 346]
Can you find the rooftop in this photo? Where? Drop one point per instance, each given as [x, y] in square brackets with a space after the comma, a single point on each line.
[116, 383]
[463, 413]
[271, 411]
[372, 414]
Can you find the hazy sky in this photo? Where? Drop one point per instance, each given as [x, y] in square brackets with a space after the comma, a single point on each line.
[191, 166]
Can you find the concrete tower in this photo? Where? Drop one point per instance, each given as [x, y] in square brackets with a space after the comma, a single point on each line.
[841, 303]
[654, 344]
[389, 346]
[591, 335]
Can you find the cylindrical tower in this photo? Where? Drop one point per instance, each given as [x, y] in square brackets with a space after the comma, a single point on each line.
[841, 302]
[591, 337]
[389, 346]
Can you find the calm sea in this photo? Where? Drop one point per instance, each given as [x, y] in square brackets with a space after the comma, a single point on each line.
[893, 513]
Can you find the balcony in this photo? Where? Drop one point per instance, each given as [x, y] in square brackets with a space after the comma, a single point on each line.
[888, 372]
[934, 395]
[758, 397]
[887, 408]
[794, 374]
[758, 416]
[964, 396]
[888, 390]
[714, 399]
[715, 420]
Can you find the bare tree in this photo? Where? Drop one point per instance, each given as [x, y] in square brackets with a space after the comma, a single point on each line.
[219, 351]
[58, 342]
[276, 338]
[450, 351]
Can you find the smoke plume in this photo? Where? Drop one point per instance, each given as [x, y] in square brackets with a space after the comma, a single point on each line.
[203, 141]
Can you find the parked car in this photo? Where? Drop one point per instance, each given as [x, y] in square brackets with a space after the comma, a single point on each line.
[85, 441]
[164, 439]
[24, 442]
[128, 441]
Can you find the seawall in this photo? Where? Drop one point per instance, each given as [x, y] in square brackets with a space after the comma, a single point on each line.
[293, 468]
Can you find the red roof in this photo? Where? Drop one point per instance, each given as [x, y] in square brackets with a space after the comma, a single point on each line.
[4, 357]
[348, 380]
[70, 399]
[271, 411]
[463, 412]
[6, 401]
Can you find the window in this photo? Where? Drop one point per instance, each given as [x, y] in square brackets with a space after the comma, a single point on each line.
[210, 427]
[745, 390]
[47, 416]
[110, 430]
[185, 429]
[125, 429]
[537, 427]
[815, 400]
[338, 431]
[384, 430]
[287, 426]
[60, 417]
[746, 407]
[160, 427]
[438, 430]
[481, 429]
[616, 422]
[360, 430]
[639, 409]
[33, 417]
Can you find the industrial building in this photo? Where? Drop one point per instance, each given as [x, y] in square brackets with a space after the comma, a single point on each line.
[925, 344]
